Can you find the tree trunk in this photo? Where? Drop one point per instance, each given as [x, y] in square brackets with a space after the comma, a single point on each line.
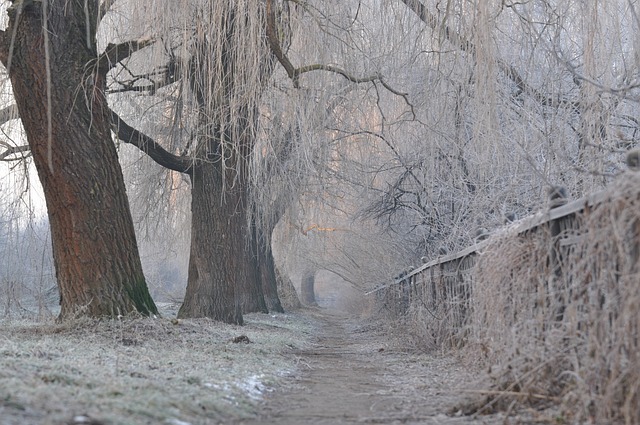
[307, 290]
[267, 276]
[224, 278]
[98, 267]
[217, 263]
[251, 296]
[287, 292]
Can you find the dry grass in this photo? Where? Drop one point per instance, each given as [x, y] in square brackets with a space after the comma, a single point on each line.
[553, 314]
[143, 371]
[566, 331]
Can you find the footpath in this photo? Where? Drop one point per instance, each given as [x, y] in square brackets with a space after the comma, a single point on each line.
[353, 374]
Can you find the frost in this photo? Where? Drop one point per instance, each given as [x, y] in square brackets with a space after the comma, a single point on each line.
[174, 421]
[254, 387]
[143, 370]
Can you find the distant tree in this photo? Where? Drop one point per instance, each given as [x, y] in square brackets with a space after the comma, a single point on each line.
[50, 52]
[307, 287]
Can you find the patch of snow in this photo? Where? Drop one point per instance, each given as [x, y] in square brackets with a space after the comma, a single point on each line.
[174, 421]
[253, 386]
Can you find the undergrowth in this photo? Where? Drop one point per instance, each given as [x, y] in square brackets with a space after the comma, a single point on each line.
[553, 314]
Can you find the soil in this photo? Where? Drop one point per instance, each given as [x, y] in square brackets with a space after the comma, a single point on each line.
[355, 373]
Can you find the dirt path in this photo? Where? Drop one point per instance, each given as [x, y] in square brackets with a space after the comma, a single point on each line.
[354, 374]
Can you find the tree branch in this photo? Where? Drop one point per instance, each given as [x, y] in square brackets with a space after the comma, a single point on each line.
[417, 7]
[168, 75]
[295, 73]
[274, 43]
[12, 150]
[146, 144]
[104, 8]
[115, 53]
[9, 113]
[431, 20]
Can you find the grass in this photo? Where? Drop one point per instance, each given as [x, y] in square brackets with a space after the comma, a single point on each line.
[568, 330]
[141, 370]
[553, 315]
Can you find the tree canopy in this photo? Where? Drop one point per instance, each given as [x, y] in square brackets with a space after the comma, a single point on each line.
[353, 136]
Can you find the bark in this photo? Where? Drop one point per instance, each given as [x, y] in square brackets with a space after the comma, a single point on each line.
[251, 295]
[217, 263]
[287, 292]
[269, 282]
[98, 267]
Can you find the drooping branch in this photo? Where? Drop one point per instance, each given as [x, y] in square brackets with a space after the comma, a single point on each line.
[115, 53]
[467, 46]
[146, 144]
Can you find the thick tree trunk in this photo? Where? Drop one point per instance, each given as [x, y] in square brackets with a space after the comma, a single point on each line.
[94, 247]
[217, 263]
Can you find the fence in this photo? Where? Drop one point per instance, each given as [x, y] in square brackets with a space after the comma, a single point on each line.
[437, 296]
[550, 302]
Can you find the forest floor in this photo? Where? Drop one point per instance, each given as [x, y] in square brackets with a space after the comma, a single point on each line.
[310, 367]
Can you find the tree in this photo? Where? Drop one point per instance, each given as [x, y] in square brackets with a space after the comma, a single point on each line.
[225, 64]
[50, 52]
[307, 287]
[507, 99]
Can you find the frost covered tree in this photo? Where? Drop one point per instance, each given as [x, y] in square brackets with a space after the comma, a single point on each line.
[504, 101]
[510, 99]
[210, 72]
[50, 52]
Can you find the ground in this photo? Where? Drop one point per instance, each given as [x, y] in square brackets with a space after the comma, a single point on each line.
[311, 367]
[353, 372]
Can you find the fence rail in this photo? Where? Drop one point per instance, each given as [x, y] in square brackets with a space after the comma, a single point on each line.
[442, 288]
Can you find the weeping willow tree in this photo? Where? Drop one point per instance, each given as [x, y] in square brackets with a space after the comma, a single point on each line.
[210, 67]
[50, 52]
[501, 103]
